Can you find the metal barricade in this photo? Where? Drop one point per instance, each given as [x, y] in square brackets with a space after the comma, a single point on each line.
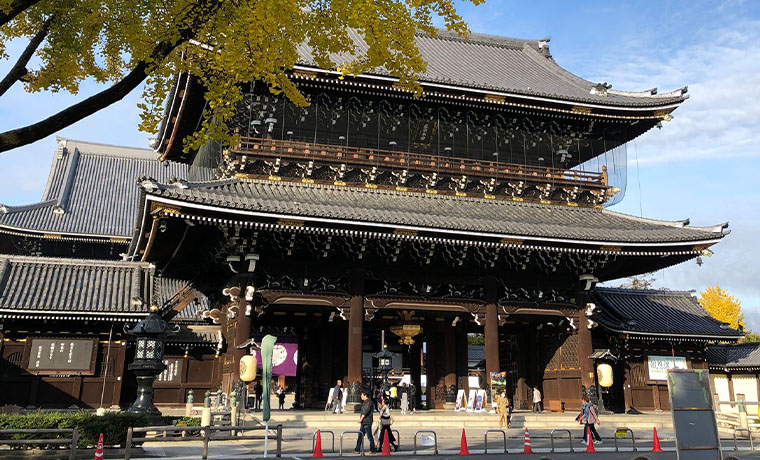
[435, 439]
[749, 436]
[398, 438]
[485, 439]
[340, 446]
[626, 431]
[314, 439]
[569, 437]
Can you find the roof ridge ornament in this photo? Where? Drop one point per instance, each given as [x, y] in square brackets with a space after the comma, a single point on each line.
[600, 89]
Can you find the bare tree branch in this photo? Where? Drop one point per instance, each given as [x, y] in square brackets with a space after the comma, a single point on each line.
[19, 69]
[193, 20]
[17, 6]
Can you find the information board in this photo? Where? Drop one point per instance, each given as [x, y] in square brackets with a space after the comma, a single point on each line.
[62, 356]
[658, 366]
[693, 416]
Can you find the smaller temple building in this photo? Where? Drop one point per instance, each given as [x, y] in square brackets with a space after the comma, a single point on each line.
[735, 375]
[642, 333]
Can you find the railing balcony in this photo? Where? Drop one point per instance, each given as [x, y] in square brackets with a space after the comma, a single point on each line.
[417, 163]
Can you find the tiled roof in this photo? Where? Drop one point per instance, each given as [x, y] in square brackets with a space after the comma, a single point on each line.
[190, 334]
[651, 312]
[743, 356]
[91, 191]
[72, 287]
[502, 64]
[486, 217]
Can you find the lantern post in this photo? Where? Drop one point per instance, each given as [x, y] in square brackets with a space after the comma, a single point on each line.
[150, 334]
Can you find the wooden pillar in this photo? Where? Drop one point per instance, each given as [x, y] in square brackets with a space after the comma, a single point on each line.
[462, 370]
[449, 356]
[656, 397]
[492, 340]
[118, 372]
[325, 366]
[355, 330]
[415, 370]
[434, 367]
[627, 393]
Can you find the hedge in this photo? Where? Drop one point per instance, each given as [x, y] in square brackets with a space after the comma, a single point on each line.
[113, 425]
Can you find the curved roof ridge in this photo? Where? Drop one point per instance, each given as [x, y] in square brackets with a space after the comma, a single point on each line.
[108, 150]
[74, 262]
[684, 223]
[6, 209]
[483, 39]
[644, 291]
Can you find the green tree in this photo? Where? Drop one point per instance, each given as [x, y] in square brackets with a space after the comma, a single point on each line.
[225, 43]
[722, 306]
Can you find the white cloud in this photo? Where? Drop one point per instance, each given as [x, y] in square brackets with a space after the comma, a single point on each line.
[721, 118]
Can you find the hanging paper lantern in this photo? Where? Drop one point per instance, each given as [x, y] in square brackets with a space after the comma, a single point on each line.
[604, 372]
[248, 368]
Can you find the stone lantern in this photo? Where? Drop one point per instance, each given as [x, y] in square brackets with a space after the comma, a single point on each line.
[150, 334]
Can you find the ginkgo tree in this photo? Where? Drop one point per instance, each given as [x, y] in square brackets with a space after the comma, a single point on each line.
[722, 306]
[224, 43]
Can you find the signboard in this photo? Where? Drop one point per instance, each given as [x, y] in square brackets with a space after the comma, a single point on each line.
[173, 371]
[461, 403]
[471, 400]
[284, 358]
[693, 416]
[659, 366]
[498, 384]
[62, 356]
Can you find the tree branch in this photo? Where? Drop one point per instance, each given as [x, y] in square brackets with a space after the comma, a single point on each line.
[19, 69]
[21, 136]
[17, 6]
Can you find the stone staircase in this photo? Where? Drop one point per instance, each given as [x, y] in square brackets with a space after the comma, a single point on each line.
[313, 420]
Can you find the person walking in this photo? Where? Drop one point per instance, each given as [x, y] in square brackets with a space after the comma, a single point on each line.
[281, 397]
[589, 417]
[337, 398]
[404, 398]
[385, 427]
[538, 405]
[258, 390]
[365, 423]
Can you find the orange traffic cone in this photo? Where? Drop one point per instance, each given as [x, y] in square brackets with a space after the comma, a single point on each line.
[463, 445]
[386, 445]
[99, 449]
[318, 446]
[526, 446]
[590, 440]
[656, 442]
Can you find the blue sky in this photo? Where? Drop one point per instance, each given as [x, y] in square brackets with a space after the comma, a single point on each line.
[702, 165]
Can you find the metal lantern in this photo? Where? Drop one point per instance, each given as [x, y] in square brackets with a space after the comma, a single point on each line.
[150, 334]
[385, 364]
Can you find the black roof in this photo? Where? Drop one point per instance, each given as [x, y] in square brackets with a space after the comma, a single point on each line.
[744, 356]
[76, 288]
[73, 288]
[91, 191]
[657, 313]
[428, 212]
[510, 65]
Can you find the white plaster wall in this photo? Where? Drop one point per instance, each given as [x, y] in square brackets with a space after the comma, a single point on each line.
[746, 384]
[719, 385]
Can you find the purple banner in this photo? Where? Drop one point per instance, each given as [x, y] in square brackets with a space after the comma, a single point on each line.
[284, 359]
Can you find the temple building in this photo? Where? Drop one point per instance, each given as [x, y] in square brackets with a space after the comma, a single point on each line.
[477, 208]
